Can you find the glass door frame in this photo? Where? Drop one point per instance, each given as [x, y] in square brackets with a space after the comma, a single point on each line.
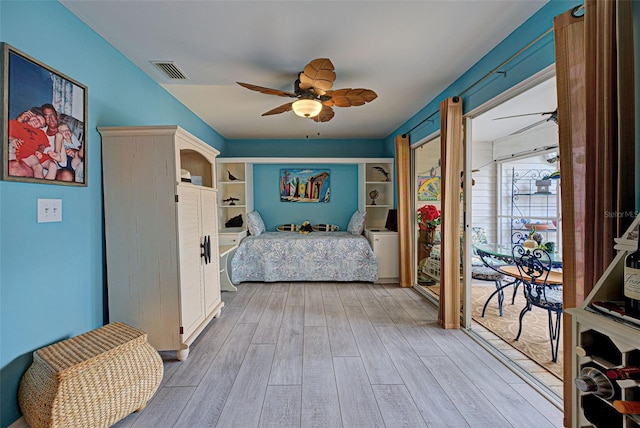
[465, 284]
[536, 79]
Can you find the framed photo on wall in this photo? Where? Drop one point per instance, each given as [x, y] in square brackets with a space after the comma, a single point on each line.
[44, 122]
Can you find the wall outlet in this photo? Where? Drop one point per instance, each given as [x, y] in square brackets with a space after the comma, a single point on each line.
[49, 210]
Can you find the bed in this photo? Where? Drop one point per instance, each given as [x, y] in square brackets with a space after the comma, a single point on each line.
[292, 256]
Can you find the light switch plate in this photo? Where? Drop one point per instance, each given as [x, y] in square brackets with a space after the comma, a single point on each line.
[49, 210]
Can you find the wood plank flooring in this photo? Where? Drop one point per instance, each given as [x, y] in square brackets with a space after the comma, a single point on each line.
[337, 355]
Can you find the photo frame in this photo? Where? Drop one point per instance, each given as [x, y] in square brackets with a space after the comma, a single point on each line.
[304, 185]
[44, 122]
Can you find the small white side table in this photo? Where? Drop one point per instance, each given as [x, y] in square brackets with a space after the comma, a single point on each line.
[228, 241]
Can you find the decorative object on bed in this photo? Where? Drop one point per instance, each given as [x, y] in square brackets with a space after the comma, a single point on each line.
[306, 227]
[325, 228]
[255, 224]
[304, 185]
[356, 223]
[288, 228]
[234, 221]
[318, 256]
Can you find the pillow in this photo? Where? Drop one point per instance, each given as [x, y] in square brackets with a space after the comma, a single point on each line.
[356, 223]
[325, 228]
[288, 228]
[255, 223]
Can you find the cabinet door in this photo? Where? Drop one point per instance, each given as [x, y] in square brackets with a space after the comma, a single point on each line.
[385, 246]
[211, 268]
[190, 239]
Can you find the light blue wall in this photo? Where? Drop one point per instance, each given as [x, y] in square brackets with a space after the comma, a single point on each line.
[52, 274]
[342, 203]
[307, 148]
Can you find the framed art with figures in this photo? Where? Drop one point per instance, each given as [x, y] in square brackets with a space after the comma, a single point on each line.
[305, 185]
[44, 122]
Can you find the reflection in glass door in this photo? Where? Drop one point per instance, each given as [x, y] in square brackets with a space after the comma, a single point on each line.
[426, 230]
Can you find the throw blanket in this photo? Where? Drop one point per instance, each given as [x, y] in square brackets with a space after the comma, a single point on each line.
[291, 256]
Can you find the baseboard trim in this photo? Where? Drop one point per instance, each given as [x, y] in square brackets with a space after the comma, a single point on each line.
[20, 423]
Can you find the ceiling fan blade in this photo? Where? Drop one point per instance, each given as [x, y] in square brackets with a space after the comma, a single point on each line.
[533, 125]
[349, 97]
[325, 115]
[527, 114]
[267, 91]
[318, 75]
[283, 108]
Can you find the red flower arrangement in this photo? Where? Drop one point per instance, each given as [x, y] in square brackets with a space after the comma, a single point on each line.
[428, 217]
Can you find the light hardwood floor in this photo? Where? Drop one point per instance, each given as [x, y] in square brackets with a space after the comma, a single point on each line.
[338, 355]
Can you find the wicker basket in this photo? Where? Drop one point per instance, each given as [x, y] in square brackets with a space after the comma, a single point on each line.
[91, 380]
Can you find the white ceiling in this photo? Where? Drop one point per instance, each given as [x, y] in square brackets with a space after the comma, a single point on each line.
[406, 51]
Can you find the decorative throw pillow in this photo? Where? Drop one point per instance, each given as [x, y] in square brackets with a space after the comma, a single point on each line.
[325, 228]
[255, 223]
[356, 223]
[288, 228]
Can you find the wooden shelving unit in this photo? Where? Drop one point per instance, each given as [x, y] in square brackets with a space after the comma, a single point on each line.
[613, 342]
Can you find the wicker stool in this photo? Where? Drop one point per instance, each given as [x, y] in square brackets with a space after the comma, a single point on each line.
[91, 380]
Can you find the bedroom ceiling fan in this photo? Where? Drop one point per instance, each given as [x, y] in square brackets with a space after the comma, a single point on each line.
[315, 99]
[553, 116]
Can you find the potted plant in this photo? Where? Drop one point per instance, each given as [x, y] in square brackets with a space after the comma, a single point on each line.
[428, 219]
[533, 240]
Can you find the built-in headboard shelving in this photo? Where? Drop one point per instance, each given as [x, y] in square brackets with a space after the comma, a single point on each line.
[375, 177]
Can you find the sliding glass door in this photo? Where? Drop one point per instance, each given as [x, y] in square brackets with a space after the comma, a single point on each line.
[426, 208]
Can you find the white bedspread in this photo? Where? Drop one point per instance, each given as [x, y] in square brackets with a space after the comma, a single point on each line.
[291, 256]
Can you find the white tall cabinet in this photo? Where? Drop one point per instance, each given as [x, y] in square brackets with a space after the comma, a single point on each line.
[161, 233]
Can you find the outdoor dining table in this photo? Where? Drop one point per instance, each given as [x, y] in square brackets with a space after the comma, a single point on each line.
[504, 253]
[554, 278]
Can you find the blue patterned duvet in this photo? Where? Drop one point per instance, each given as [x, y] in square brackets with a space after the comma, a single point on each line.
[291, 256]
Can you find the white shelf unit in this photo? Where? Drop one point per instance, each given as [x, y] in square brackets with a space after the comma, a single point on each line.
[369, 179]
[240, 188]
[374, 180]
[531, 205]
[613, 342]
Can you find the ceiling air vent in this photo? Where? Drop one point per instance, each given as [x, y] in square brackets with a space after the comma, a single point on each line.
[170, 69]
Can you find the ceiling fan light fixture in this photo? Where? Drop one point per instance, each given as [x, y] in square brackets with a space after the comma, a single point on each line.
[306, 107]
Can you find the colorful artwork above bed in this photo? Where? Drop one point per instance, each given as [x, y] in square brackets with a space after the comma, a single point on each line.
[304, 185]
